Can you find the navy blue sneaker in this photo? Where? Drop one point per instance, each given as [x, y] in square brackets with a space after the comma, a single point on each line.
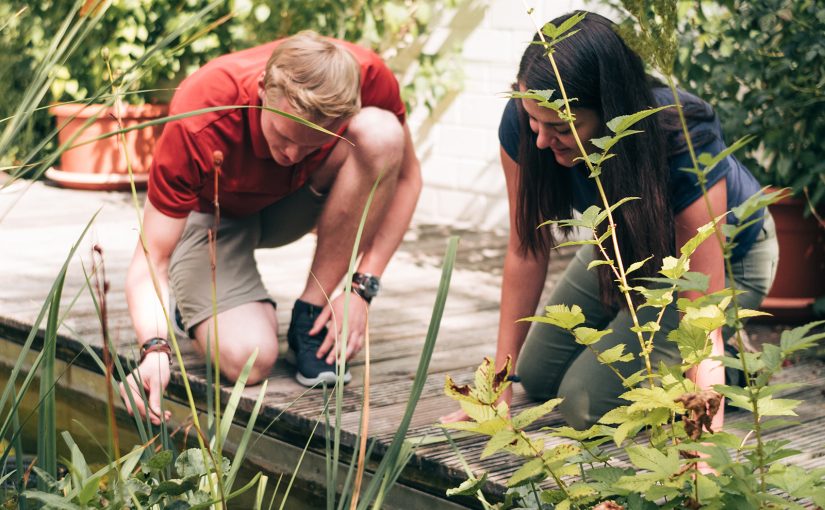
[311, 370]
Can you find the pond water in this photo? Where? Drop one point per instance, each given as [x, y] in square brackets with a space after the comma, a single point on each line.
[85, 419]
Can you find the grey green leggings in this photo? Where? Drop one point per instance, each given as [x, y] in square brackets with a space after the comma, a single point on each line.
[551, 364]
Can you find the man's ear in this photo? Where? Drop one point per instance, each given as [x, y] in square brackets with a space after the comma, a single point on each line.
[261, 86]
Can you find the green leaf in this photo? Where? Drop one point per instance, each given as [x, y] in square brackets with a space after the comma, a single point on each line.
[648, 399]
[605, 143]
[589, 336]
[653, 460]
[709, 162]
[89, 490]
[648, 327]
[468, 487]
[158, 461]
[621, 123]
[530, 470]
[537, 95]
[757, 201]
[674, 268]
[614, 354]
[769, 406]
[598, 262]
[637, 265]
[487, 428]
[51, 500]
[707, 318]
[562, 316]
[501, 439]
[798, 339]
[525, 418]
[702, 233]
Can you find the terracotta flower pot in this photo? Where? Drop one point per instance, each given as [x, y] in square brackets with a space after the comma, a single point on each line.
[102, 164]
[800, 276]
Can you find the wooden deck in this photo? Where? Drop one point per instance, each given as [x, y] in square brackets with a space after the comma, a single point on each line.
[40, 225]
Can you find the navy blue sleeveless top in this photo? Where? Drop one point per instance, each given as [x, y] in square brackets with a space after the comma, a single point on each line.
[684, 186]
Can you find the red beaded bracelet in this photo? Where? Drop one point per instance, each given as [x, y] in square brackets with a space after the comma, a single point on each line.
[156, 344]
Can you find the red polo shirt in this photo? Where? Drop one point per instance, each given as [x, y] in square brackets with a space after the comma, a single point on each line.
[182, 177]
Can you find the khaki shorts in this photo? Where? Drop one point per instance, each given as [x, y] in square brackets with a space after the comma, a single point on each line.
[237, 276]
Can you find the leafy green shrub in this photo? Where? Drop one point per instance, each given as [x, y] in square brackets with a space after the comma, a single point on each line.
[128, 28]
[761, 64]
[676, 459]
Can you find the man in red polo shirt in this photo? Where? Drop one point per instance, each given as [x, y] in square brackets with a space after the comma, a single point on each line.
[276, 179]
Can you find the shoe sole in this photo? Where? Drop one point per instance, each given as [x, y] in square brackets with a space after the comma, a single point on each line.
[328, 378]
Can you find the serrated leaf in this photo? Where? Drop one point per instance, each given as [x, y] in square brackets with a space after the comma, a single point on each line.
[589, 336]
[614, 354]
[653, 460]
[598, 262]
[769, 406]
[605, 143]
[648, 327]
[674, 268]
[637, 265]
[709, 162]
[525, 418]
[623, 122]
[707, 318]
[563, 316]
[532, 468]
[536, 95]
[648, 399]
[757, 201]
[798, 339]
[702, 233]
[501, 439]
[468, 487]
[487, 427]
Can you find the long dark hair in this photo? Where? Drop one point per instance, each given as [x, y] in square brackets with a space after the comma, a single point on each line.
[605, 75]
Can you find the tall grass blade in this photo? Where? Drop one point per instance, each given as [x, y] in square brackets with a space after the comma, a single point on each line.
[332, 473]
[389, 465]
[46, 428]
[240, 452]
[10, 387]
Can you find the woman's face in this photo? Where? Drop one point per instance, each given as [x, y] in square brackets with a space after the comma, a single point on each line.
[555, 134]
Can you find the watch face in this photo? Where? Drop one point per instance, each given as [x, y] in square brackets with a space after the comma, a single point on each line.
[369, 284]
[372, 286]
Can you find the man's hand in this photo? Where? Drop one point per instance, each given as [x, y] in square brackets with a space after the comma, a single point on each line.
[153, 375]
[335, 315]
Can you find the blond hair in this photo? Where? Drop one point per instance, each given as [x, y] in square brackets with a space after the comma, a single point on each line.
[319, 78]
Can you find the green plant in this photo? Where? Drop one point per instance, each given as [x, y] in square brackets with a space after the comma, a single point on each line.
[762, 66]
[127, 29]
[678, 460]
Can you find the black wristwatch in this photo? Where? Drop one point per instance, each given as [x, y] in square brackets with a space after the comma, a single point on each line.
[366, 285]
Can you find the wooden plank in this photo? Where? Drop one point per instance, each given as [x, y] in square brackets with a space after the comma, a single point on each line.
[40, 226]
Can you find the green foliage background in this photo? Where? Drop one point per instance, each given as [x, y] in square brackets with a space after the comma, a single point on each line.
[761, 64]
[129, 27]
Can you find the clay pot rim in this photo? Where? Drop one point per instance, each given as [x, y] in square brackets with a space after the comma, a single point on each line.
[128, 111]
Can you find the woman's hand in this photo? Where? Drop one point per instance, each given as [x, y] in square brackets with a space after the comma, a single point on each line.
[460, 415]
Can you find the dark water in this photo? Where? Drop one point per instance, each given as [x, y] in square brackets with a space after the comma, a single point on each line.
[86, 420]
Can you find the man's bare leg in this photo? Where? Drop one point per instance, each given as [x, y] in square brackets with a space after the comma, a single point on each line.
[348, 176]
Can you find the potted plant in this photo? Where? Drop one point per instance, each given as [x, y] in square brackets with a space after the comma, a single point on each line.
[123, 35]
[775, 95]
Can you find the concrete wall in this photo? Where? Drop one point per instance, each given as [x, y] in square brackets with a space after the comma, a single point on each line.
[458, 142]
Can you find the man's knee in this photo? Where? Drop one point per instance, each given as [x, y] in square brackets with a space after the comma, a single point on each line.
[235, 358]
[379, 139]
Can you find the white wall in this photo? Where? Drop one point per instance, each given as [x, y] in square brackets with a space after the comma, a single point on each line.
[458, 143]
